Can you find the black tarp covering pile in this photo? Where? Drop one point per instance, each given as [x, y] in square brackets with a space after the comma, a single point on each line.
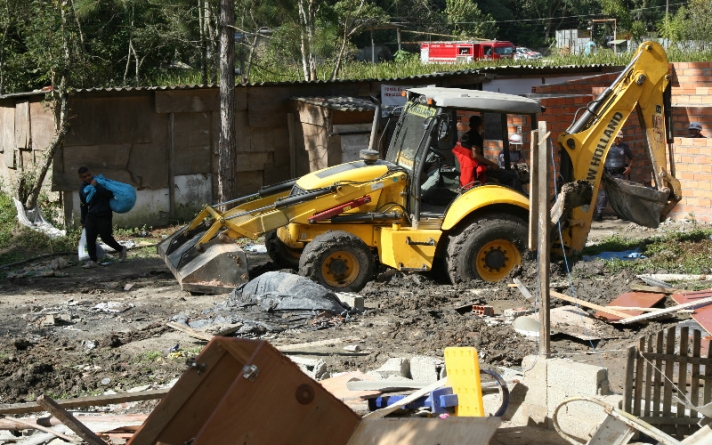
[273, 302]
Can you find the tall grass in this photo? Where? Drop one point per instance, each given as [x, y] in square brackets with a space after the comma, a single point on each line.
[19, 243]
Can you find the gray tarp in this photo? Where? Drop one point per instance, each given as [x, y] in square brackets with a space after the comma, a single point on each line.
[280, 291]
[272, 302]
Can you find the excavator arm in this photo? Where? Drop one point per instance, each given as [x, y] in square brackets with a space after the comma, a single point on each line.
[643, 87]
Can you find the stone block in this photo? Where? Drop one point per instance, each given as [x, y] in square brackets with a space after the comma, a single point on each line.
[394, 367]
[352, 300]
[426, 369]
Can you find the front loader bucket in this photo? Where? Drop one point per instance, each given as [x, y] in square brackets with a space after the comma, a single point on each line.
[636, 203]
[215, 267]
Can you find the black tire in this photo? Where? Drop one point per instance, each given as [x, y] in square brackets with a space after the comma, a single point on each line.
[338, 260]
[487, 249]
[282, 255]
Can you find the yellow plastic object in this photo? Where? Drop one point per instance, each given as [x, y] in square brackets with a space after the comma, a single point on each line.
[463, 375]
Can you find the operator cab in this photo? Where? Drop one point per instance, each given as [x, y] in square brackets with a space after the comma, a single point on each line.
[431, 124]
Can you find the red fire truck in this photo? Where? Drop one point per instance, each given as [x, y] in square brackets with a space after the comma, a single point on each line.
[465, 51]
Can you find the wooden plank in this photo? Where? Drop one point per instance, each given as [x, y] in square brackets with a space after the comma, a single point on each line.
[574, 321]
[36, 426]
[112, 420]
[187, 101]
[661, 422]
[282, 405]
[657, 376]
[247, 162]
[673, 357]
[261, 140]
[630, 381]
[163, 416]
[707, 392]
[653, 289]
[116, 120]
[695, 372]
[266, 119]
[22, 125]
[271, 99]
[7, 129]
[191, 143]
[681, 381]
[309, 114]
[544, 244]
[668, 380]
[669, 310]
[580, 302]
[190, 331]
[68, 419]
[42, 125]
[418, 431]
[291, 123]
[648, 379]
[639, 368]
[110, 399]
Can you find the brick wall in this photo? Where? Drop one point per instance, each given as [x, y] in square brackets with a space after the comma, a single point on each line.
[691, 100]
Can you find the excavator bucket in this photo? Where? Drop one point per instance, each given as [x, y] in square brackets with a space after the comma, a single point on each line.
[215, 267]
[636, 203]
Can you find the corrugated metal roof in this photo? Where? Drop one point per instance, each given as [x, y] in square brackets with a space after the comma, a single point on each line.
[339, 103]
[504, 70]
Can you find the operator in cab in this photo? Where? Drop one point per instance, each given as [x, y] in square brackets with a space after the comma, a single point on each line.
[619, 163]
[506, 177]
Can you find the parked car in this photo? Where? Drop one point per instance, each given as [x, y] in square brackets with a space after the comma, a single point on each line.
[522, 53]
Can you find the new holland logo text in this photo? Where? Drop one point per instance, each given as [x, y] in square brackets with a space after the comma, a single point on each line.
[598, 160]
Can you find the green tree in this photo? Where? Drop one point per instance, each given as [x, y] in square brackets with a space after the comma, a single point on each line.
[354, 16]
[50, 39]
[467, 20]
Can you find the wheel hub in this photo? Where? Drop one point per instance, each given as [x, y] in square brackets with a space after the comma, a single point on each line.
[338, 267]
[494, 259]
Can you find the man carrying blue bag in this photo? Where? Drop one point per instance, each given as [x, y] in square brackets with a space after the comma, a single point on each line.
[98, 202]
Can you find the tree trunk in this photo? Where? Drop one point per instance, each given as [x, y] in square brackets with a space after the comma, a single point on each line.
[203, 44]
[344, 41]
[227, 184]
[213, 47]
[61, 127]
[303, 42]
[248, 65]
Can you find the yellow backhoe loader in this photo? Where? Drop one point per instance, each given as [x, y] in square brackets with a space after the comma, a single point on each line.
[408, 212]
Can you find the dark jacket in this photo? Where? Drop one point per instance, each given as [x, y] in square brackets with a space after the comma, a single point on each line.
[99, 204]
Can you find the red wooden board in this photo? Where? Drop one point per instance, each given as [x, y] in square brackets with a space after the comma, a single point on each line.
[631, 299]
[702, 315]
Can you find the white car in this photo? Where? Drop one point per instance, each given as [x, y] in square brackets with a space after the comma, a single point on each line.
[522, 53]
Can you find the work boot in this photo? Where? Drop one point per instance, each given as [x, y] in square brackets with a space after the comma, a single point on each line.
[597, 217]
[122, 254]
[90, 264]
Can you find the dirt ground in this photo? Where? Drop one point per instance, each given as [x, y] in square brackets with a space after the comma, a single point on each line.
[73, 332]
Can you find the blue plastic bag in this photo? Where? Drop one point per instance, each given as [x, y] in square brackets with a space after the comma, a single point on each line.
[124, 194]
